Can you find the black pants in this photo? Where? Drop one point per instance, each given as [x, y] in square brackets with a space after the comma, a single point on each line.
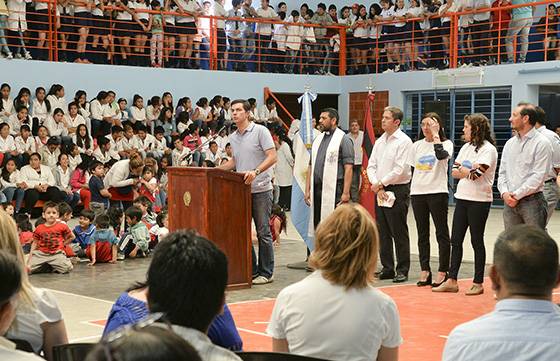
[435, 204]
[355, 188]
[32, 196]
[317, 200]
[285, 199]
[481, 39]
[393, 228]
[473, 215]
[263, 41]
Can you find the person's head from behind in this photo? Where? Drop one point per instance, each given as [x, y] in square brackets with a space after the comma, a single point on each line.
[50, 212]
[11, 272]
[525, 264]
[133, 215]
[64, 211]
[116, 215]
[194, 271]
[162, 219]
[23, 223]
[102, 221]
[152, 342]
[346, 245]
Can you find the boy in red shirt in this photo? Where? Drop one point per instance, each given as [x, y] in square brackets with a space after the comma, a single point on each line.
[47, 250]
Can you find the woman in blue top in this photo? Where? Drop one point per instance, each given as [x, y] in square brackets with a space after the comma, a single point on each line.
[132, 306]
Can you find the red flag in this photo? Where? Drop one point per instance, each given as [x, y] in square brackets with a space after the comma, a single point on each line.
[367, 197]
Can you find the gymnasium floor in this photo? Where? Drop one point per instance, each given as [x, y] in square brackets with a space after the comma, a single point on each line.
[87, 293]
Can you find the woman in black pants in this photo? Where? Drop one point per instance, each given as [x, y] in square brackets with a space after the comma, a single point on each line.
[39, 183]
[429, 195]
[475, 168]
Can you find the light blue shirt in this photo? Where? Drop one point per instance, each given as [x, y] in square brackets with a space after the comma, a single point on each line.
[517, 330]
[523, 12]
[525, 162]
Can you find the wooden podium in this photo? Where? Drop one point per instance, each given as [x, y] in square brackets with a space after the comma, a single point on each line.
[217, 204]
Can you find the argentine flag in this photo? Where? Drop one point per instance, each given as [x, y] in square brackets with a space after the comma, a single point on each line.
[302, 150]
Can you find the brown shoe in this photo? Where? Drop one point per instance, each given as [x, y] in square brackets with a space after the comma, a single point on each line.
[475, 290]
[445, 287]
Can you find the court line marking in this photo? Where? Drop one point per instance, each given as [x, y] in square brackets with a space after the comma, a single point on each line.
[253, 332]
[261, 322]
[90, 323]
[81, 296]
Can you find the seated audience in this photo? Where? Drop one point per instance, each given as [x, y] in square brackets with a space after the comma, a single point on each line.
[525, 324]
[308, 315]
[152, 342]
[195, 271]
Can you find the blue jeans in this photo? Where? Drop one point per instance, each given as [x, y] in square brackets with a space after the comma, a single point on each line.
[72, 199]
[531, 210]
[261, 209]
[3, 43]
[12, 192]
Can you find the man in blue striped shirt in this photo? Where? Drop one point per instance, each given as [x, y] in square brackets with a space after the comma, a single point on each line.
[525, 324]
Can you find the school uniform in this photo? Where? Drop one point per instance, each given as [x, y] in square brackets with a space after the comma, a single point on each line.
[186, 25]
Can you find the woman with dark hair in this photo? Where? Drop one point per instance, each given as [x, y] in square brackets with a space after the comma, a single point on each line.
[429, 194]
[283, 172]
[56, 97]
[131, 307]
[39, 183]
[152, 112]
[144, 343]
[22, 99]
[475, 167]
[11, 185]
[137, 110]
[40, 110]
[83, 105]
[360, 26]
[62, 175]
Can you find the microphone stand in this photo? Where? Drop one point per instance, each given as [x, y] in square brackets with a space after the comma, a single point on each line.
[189, 156]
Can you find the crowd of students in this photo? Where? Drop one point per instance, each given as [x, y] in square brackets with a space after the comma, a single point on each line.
[386, 36]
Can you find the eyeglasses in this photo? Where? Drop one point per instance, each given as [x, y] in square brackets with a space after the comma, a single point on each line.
[151, 319]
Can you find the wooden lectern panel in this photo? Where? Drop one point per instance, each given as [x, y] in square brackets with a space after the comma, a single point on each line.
[218, 205]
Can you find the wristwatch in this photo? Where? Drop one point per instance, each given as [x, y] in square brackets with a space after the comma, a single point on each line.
[257, 171]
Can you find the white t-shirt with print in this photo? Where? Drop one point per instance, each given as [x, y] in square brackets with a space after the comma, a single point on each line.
[311, 313]
[430, 174]
[479, 190]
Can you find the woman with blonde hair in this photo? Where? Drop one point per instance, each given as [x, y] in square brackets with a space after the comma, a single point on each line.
[38, 317]
[308, 316]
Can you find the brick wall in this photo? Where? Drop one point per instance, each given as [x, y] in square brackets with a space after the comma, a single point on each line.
[357, 108]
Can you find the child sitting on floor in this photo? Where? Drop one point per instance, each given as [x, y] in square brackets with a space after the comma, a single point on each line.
[47, 249]
[135, 242]
[102, 246]
[83, 232]
[116, 217]
[277, 223]
[160, 230]
[25, 231]
[65, 214]
[145, 205]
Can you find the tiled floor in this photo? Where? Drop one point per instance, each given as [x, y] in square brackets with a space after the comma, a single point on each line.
[86, 294]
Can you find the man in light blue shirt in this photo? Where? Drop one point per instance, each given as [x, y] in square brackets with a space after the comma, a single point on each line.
[526, 159]
[525, 324]
[520, 24]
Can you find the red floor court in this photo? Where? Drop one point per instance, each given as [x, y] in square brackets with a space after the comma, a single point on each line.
[426, 318]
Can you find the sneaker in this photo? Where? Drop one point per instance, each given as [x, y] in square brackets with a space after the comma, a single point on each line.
[28, 56]
[120, 256]
[262, 280]
[389, 71]
[18, 56]
[9, 56]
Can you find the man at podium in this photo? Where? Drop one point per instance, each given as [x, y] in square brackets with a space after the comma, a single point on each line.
[254, 154]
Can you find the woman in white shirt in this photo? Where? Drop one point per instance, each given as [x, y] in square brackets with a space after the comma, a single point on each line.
[429, 195]
[83, 140]
[475, 167]
[56, 98]
[83, 105]
[137, 110]
[39, 183]
[308, 315]
[11, 184]
[82, 21]
[361, 39]
[415, 11]
[283, 171]
[152, 112]
[122, 177]
[202, 113]
[62, 175]
[40, 109]
[170, 35]
[19, 118]
[400, 34]
[73, 119]
[186, 28]
[6, 103]
[55, 124]
[142, 17]
[38, 317]
[100, 112]
[7, 144]
[387, 32]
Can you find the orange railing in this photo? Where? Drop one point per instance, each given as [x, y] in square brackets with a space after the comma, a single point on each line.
[112, 35]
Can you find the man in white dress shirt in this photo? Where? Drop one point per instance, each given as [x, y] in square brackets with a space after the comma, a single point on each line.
[525, 324]
[388, 171]
[526, 160]
[550, 189]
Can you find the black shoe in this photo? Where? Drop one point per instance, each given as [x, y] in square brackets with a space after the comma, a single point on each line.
[427, 282]
[386, 275]
[400, 278]
[440, 283]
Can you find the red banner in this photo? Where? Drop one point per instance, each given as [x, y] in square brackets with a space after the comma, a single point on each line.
[367, 197]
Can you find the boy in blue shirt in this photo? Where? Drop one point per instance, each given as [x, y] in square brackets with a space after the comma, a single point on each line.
[99, 195]
[83, 232]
